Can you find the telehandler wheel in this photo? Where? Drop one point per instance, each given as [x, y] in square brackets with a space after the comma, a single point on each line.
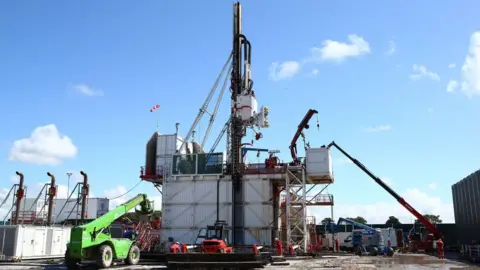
[133, 255]
[71, 264]
[105, 256]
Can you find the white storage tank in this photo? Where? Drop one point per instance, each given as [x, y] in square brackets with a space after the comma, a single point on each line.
[389, 234]
[318, 164]
[33, 242]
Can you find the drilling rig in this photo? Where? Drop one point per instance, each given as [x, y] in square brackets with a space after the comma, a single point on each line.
[243, 115]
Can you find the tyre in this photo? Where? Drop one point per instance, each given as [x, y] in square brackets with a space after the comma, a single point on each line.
[71, 264]
[221, 250]
[390, 252]
[373, 251]
[133, 255]
[105, 256]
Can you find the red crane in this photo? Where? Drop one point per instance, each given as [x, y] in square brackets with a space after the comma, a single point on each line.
[416, 242]
[303, 125]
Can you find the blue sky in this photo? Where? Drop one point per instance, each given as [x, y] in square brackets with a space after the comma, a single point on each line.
[127, 58]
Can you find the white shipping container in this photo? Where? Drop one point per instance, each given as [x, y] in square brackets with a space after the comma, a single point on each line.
[167, 145]
[319, 163]
[33, 242]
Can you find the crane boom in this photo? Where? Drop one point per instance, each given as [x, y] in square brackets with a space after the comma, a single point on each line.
[428, 225]
[301, 126]
[203, 109]
[215, 110]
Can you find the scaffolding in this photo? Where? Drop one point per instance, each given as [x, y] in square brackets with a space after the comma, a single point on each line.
[297, 227]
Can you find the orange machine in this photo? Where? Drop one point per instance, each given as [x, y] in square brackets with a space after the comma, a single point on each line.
[214, 239]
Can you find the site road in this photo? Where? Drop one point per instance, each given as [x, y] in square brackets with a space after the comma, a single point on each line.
[399, 261]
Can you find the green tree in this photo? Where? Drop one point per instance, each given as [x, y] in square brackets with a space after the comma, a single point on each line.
[358, 219]
[435, 219]
[392, 221]
[325, 221]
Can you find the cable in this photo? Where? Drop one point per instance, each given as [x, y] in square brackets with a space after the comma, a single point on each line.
[114, 198]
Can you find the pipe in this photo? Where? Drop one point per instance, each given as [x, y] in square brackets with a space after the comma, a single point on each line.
[19, 196]
[218, 199]
[84, 196]
[51, 196]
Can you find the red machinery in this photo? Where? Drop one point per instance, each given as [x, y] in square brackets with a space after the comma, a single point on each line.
[415, 240]
[303, 125]
[213, 239]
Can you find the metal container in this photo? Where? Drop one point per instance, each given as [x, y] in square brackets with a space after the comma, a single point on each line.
[466, 207]
[258, 207]
[319, 163]
[33, 242]
[466, 200]
[96, 207]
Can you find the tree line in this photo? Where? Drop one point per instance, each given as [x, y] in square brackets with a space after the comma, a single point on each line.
[391, 221]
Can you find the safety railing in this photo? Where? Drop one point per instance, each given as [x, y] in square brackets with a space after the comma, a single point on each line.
[471, 251]
[149, 172]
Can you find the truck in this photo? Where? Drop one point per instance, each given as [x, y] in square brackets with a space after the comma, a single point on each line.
[93, 241]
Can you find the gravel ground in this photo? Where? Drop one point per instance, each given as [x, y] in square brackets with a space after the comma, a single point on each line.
[399, 261]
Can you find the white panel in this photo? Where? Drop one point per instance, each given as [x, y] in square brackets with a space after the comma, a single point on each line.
[319, 162]
[166, 145]
[40, 241]
[259, 237]
[258, 215]
[257, 191]
[190, 205]
[187, 236]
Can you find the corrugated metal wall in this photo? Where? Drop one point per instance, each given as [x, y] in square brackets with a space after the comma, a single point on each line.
[466, 206]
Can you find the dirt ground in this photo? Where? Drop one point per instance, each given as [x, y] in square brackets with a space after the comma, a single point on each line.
[399, 261]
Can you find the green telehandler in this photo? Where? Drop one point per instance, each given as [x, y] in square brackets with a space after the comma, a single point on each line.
[92, 241]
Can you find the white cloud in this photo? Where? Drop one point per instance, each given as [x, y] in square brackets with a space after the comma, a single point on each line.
[432, 186]
[421, 71]
[387, 181]
[114, 196]
[392, 47]
[87, 90]
[285, 70]
[452, 86]
[430, 110]
[379, 212]
[342, 161]
[45, 146]
[120, 190]
[339, 51]
[471, 67]
[315, 72]
[452, 65]
[380, 128]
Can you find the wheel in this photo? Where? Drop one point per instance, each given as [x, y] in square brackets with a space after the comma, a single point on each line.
[373, 251]
[105, 256]
[390, 252]
[221, 250]
[71, 264]
[133, 255]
